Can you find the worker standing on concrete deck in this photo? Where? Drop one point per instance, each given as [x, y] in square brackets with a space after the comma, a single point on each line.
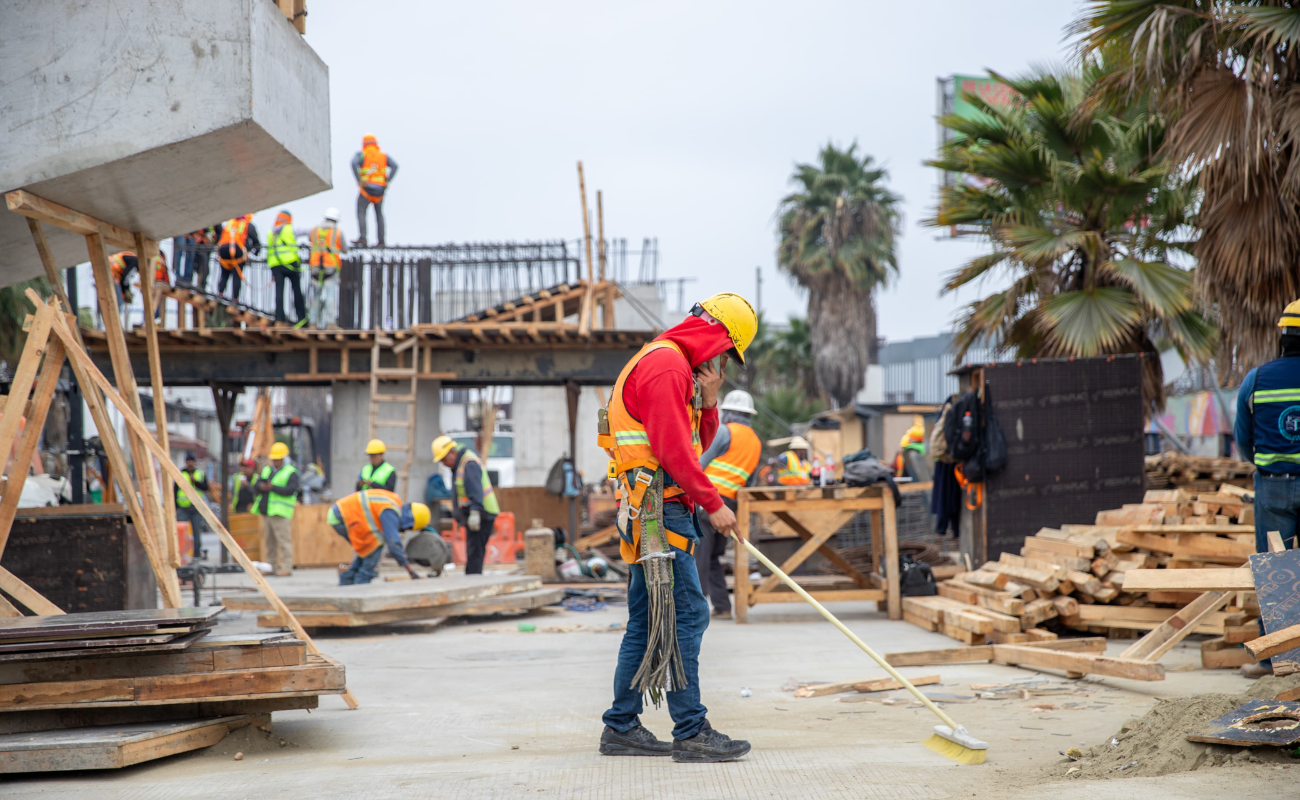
[327, 247]
[185, 510]
[277, 497]
[373, 169]
[121, 264]
[236, 239]
[286, 267]
[378, 474]
[730, 464]
[161, 282]
[241, 490]
[661, 414]
[1267, 432]
[476, 501]
[792, 466]
[369, 520]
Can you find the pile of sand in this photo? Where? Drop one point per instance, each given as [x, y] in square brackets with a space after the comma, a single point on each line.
[1271, 686]
[1156, 744]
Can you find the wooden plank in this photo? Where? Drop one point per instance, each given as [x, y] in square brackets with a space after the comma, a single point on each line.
[517, 601]
[962, 655]
[1176, 628]
[217, 657]
[742, 588]
[31, 435]
[24, 378]
[37, 208]
[819, 504]
[597, 539]
[1217, 654]
[26, 595]
[863, 686]
[996, 601]
[1189, 580]
[1273, 643]
[892, 572]
[844, 596]
[113, 746]
[1031, 577]
[828, 552]
[920, 622]
[1086, 663]
[810, 545]
[1145, 619]
[391, 595]
[146, 251]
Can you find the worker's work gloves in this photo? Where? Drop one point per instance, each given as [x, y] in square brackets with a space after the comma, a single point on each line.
[474, 521]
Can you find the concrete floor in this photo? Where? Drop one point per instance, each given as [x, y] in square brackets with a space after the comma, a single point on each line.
[478, 709]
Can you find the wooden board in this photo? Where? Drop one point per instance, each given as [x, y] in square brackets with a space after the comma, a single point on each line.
[103, 622]
[286, 653]
[1273, 643]
[391, 596]
[1234, 729]
[117, 645]
[1218, 654]
[1276, 577]
[965, 655]
[1145, 618]
[1189, 580]
[515, 601]
[315, 543]
[864, 685]
[1176, 627]
[113, 746]
[247, 530]
[83, 717]
[1085, 663]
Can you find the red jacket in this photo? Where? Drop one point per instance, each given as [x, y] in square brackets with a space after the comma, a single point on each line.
[656, 395]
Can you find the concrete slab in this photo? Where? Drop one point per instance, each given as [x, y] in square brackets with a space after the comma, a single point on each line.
[155, 116]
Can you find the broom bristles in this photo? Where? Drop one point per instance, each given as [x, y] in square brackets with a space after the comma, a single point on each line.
[951, 750]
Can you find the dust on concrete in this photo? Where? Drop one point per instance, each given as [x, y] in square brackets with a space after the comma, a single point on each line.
[1270, 686]
[1156, 744]
[250, 740]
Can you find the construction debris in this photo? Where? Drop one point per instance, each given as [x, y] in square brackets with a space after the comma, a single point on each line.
[1196, 473]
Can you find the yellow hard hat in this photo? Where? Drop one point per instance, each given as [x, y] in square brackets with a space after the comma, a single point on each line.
[279, 450]
[375, 447]
[441, 447]
[1290, 315]
[799, 443]
[421, 514]
[737, 316]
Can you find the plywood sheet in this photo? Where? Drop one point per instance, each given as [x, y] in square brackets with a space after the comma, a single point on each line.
[1277, 584]
[111, 746]
[103, 622]
[391, 596]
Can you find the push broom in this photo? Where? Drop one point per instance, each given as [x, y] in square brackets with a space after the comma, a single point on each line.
[950, 739]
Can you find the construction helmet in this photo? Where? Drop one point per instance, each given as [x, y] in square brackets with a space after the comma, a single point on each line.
[421, 515]
[799, 443]
[736, 315]
[332, 214]
[738, 400]
[1290, 315]
[369, 138]
[441, 447]
[279, 450]
[375, 447]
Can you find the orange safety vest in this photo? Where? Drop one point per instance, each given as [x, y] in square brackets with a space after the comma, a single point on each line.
[360, 512]
[730, 471]
[325, 246]
[160, 273]
[235, 232]
[791, 470]
[374, 169]
[632, 463]
[117, 264]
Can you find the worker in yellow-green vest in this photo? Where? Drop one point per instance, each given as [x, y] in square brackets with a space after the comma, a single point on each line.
[277, 495]
[378, 474]
[476, 501]
[286, 266]
[241, 489]
[185, 510]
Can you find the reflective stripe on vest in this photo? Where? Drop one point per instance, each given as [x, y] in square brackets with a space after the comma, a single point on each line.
[279, 505]
[731, 470]
[283, 250]
[374, 166]
[489, 494]
[361, 513]
[792, 470]
[182, 500]
[234, 491]
[325, 246]
[117, 264]
[1275, 408]
[235, 231]
[377, 475]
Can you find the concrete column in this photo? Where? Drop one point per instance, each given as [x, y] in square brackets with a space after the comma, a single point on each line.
[350, 430]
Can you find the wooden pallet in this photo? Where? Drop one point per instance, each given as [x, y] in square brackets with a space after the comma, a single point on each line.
[515, 601]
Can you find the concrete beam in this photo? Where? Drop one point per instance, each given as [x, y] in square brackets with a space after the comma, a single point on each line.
[155, 116]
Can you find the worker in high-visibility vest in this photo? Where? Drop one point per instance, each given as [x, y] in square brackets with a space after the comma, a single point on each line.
[286, 267]
[374, 170]
[792, 466]
[185, 510]
[378, 474]
[236, 239]
[327, 247]
[370, 520]
[276, 499]
[730, 464]
[241, 489]
[913, 440]
[476, 501]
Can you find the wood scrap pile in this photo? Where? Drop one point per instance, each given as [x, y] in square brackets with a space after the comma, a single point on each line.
[1196, 473]
[1072, 578]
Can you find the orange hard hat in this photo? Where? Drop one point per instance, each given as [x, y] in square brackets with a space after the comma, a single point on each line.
[369, 138]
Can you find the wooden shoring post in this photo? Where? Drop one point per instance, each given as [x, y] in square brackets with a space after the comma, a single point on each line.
[24, 378]
[586, 223]
[31, 435]
[740, 570]
[146, 250]
[26, 595]
[97, 379]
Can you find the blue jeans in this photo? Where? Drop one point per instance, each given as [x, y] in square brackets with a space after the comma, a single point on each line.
[362, 570]
[1277, 504]
[684, 704]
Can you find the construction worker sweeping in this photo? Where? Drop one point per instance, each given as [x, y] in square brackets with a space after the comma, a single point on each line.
[729, 463]
[378, 474]
[661, 414]
[373, 169]
[370, 520]
[476, 501]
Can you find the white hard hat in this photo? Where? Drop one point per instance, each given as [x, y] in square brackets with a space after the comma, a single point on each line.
[799, 443]
[738, 400]
[332, 214]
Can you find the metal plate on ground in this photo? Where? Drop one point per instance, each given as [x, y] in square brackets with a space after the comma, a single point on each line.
[1258, 722]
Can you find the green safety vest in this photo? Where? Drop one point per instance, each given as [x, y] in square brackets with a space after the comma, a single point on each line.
[234, 491]
[278, 505]
[377, 475]
[489, 494]
[182, 499]
[283, 249]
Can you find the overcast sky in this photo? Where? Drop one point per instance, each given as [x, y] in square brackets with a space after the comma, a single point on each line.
[689, 116]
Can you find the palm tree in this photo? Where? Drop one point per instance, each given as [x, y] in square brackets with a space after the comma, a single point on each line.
[1082, 215]
[1226, 75]
[837, 235]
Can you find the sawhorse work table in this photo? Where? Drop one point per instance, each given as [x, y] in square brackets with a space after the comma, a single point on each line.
[788, 504]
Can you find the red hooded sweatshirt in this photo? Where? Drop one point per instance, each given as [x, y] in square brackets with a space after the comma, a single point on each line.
[657, 394]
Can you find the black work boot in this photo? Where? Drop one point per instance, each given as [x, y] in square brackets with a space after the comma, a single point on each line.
[709, 746]
[636, 742]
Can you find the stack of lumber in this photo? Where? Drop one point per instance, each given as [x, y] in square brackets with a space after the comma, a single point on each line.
[1196, 473]
[400, 601]
[106, 633]
[106, 707]
[1072, 578]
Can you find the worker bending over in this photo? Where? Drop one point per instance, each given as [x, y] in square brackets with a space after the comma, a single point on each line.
[476, 501]
[369, 520]
[792, 466]
[1267, 432]
[661, 414]
[373, 169]
[241, 488]
[378, 474]
[327, 247]
[277, 497]
[286, 267]
[729, 464]
[236, 239]
[185, 510]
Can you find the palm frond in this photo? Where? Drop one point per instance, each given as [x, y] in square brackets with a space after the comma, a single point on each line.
[1091, 321]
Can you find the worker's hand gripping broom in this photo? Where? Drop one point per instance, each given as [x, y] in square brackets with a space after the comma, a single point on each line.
[950, 739]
